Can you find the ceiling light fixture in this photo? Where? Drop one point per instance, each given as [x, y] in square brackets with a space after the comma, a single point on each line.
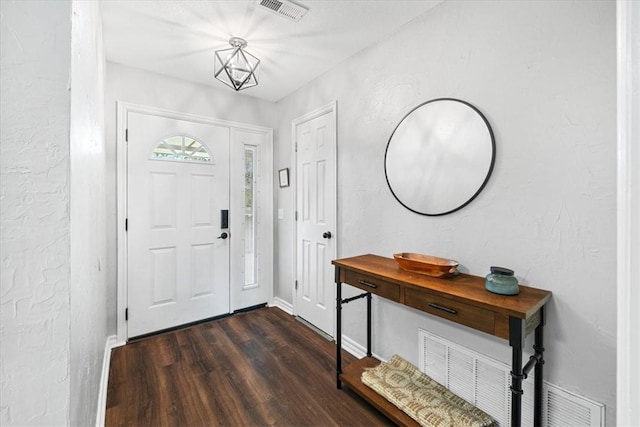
[236, 67]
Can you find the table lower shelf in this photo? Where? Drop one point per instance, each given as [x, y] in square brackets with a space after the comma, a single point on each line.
[352, 376]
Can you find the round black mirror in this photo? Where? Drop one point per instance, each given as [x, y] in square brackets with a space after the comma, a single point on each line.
[439, 157]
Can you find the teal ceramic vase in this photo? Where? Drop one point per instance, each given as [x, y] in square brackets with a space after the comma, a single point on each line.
[501, 281]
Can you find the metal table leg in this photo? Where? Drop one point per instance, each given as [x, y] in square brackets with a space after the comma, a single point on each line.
[516, 341]
[369, 324]
[517, 335]
[538, 347]
[338, 328]
[339, 302]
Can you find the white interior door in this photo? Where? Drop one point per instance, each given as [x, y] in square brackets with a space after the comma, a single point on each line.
[316, 223]
[178, 184]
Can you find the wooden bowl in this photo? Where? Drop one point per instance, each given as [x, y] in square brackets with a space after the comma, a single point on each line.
[426, 264]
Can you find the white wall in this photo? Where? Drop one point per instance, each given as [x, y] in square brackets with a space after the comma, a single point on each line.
[543, 73]
[144, 88]
[34, 215]
[88, 291]
[53, 223]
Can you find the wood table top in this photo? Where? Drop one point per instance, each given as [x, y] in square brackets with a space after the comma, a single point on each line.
[461, 287]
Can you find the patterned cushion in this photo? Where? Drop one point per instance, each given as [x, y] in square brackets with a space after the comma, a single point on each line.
[422, 398]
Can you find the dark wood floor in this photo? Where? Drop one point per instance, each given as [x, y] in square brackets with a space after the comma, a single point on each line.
[251, 369]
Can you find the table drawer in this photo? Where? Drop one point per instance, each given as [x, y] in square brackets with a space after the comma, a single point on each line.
[373, 284]
[474, 317]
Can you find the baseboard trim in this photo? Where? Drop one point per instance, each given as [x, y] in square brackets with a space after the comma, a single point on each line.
[353, 347]
[282, 305]
[356, 349]
[110, 344]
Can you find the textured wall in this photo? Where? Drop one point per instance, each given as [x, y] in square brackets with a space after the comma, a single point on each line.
[53, 213]
[34, 215]
[88, 291]
[154, 90]
[543, 73]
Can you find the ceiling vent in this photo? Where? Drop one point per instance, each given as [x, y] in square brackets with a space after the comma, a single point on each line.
[284, 8]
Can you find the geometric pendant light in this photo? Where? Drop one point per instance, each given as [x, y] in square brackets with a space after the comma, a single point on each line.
[236, 67]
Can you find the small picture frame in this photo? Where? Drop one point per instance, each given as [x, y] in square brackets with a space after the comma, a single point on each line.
[283, 175]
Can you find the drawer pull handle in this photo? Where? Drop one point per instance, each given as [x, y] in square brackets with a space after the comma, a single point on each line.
[440, 307]
[365, 283]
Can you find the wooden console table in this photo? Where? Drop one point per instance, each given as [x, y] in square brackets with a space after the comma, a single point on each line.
[461, 299]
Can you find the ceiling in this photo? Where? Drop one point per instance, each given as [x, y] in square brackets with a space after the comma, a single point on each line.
[178, 38]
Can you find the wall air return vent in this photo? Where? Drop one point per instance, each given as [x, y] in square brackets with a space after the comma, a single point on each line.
[284, 8]
[484, 382]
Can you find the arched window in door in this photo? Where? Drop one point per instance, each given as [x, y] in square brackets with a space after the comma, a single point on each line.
[181, 148]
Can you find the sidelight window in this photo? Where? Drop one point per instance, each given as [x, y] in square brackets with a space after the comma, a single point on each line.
[250, 217]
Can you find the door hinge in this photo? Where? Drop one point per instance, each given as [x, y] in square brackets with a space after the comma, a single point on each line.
[126, 313]
[296, 146]
[296, 285]
[126, 224]
[126, 135]
[296, 215]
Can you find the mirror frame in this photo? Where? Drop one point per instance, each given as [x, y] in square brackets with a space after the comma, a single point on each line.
[486, 178]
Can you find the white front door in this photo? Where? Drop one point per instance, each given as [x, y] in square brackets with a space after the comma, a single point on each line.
[178, 187]
[316, 224]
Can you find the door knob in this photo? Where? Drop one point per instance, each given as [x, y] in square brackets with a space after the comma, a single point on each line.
[223, 236]
[326, 234]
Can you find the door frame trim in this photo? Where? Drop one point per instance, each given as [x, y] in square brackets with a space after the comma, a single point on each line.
[628, 235]
[123, 110]
[332, 108]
